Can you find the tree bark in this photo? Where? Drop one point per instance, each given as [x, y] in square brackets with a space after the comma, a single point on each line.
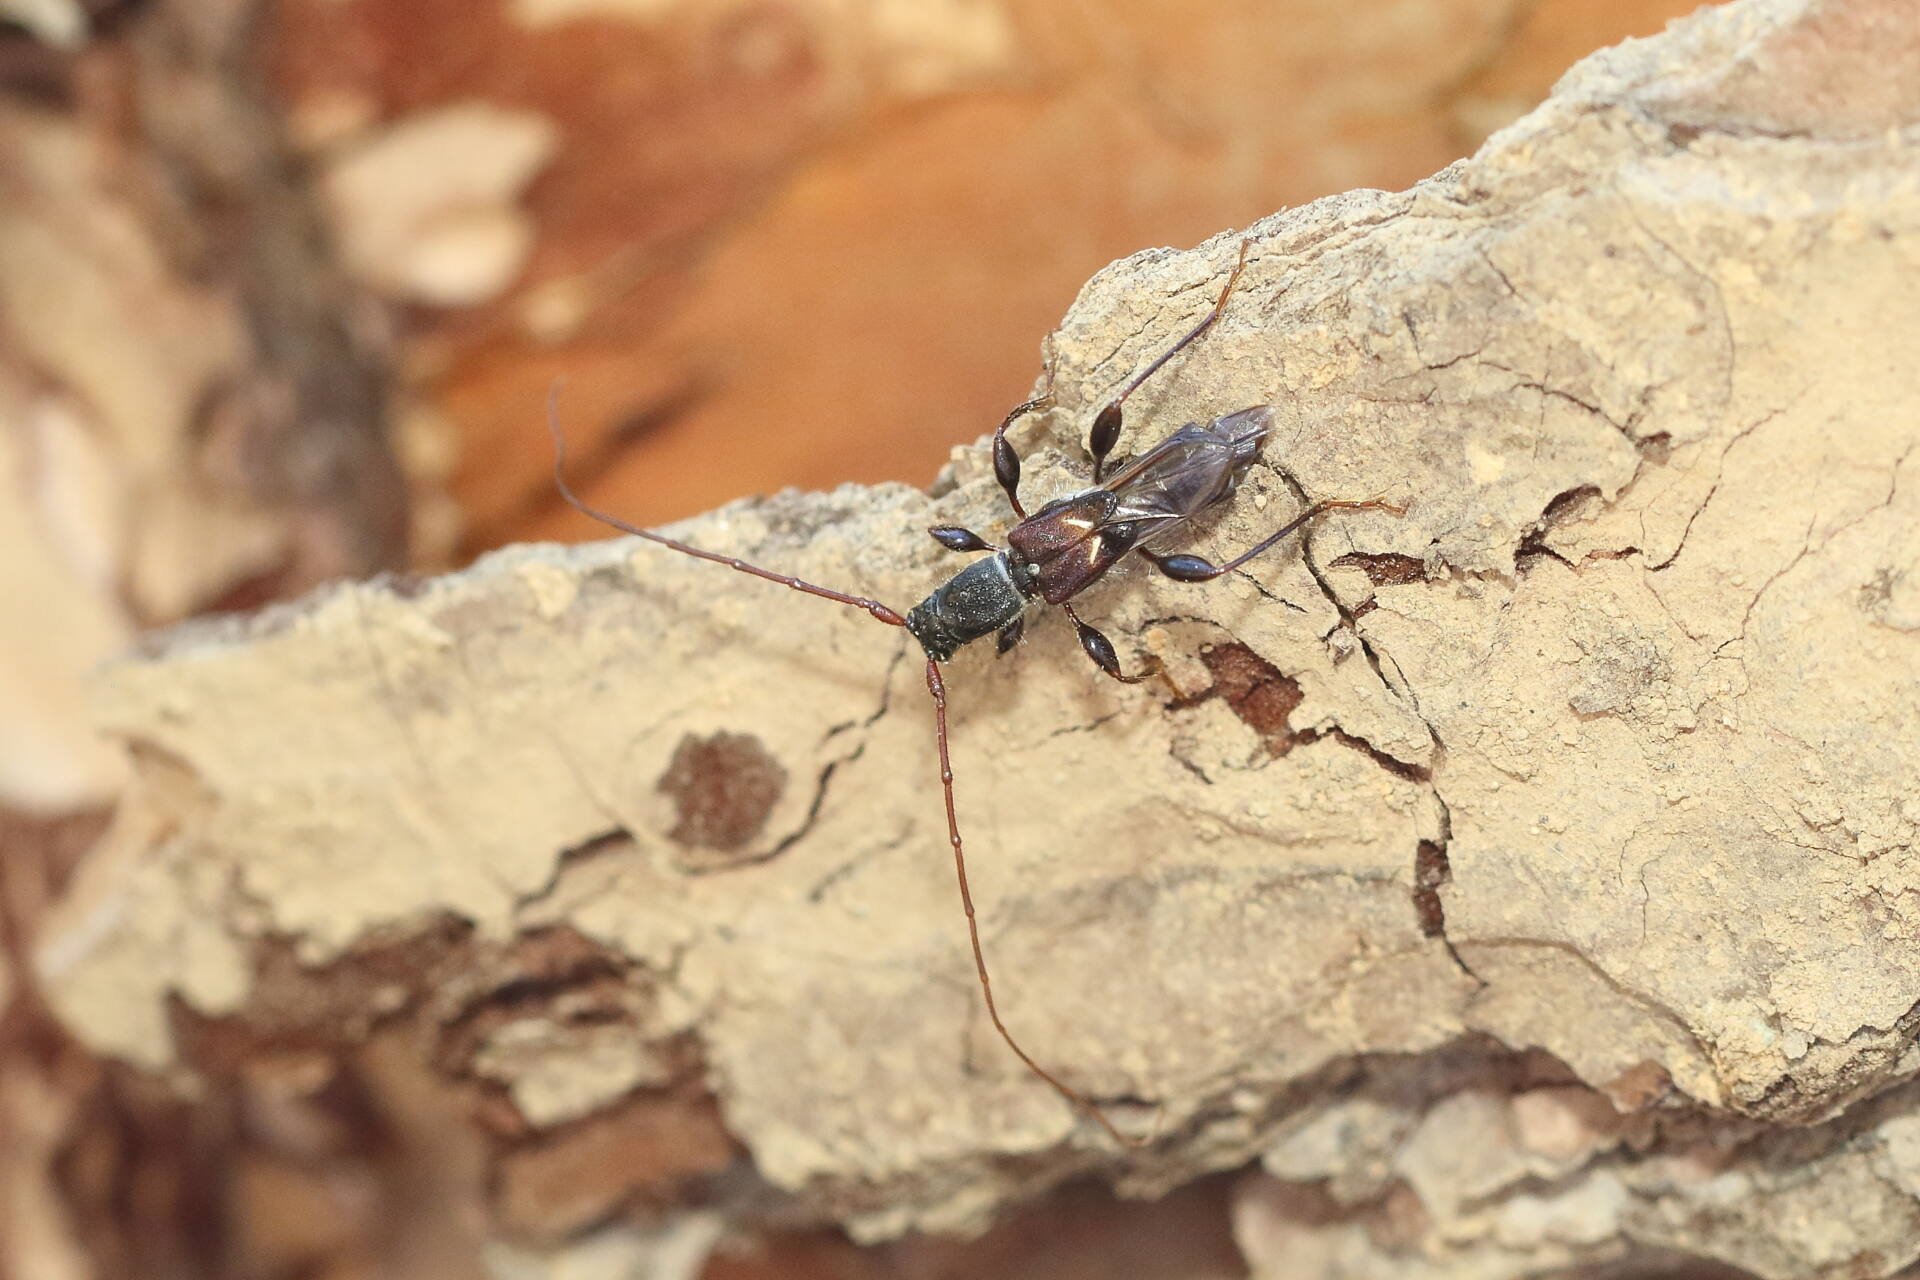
[1525, 882]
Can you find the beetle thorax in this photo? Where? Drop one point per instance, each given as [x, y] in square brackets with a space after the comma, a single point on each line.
[978, 601]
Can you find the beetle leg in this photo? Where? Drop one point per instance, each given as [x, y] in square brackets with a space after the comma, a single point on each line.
[1006, 463]
[954, 538]
[1189, 568]
[1100, 649]
[1106, 424]
[1011, 633]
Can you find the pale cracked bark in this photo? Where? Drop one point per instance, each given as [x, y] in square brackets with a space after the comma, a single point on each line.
[1605, 750]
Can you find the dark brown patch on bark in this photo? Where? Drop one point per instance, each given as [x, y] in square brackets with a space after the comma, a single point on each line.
[1257, 691]
[1398, 768]
[1385, 569]
[724, 788]
[1430, 871]
[1265, 698]
[554, 975]
[1565, 506]
[649, 1152]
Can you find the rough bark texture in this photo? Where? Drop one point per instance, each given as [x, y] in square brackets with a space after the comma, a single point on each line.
[1526, 882]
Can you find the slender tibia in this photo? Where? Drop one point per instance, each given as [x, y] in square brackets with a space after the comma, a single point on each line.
[1006, 463]
[938, 689]
[1100, 649]
[1106, 424]
[873, 607]
[1187, 568]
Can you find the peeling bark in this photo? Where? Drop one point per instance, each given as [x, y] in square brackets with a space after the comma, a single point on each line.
[1548, 906]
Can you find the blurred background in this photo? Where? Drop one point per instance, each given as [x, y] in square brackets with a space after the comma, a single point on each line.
[284, 285]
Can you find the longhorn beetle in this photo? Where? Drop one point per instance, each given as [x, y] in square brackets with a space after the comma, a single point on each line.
[1052, 555]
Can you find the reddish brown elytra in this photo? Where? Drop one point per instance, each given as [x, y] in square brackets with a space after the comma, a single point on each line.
[1052, 556]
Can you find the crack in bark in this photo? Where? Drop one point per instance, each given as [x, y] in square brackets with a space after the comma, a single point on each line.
[1528, 383]
[1719, 297]
[824, 782]
[1719, 472]
[1430, 866]
[818, 893]
[1807, 546]
[1652, 1005]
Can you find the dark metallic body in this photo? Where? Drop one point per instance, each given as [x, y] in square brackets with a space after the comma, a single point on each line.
[983, 598]
[1070, 544]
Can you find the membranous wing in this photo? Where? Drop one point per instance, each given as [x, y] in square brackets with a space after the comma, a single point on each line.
[1188, 472]
[1068, 544]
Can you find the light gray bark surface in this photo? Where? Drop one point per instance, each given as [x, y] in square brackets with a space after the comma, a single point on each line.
[1606, 750]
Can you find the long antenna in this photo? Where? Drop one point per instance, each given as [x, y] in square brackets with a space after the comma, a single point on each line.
[935, 686]
[1080, 1101]
[874, 607]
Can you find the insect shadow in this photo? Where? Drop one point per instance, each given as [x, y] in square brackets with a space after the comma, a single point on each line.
[1051, 556]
